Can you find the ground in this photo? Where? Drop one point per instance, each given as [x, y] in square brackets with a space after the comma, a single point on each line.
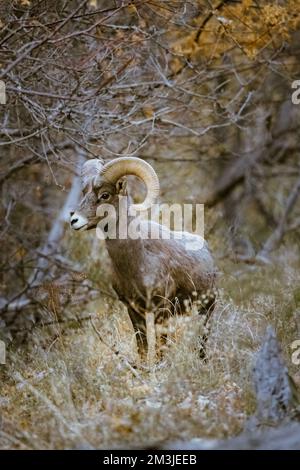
[72, 384]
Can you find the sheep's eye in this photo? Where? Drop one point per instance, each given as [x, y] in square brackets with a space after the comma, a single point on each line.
[105, 196]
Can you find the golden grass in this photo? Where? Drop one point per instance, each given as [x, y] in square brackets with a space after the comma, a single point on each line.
[73, 386]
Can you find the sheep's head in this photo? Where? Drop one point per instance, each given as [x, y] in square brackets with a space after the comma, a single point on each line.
[104, 183]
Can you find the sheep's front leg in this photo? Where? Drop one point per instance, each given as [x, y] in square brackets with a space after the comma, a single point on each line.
[144, 327]
[139, 324]
[151, 338]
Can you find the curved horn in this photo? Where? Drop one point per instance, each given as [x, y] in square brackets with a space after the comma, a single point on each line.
[90, 170]
[123, 166]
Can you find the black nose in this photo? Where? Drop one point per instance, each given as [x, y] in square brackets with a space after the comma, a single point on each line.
[72, 213]
[74, 221]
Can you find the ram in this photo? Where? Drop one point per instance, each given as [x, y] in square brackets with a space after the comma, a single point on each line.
[155, 278]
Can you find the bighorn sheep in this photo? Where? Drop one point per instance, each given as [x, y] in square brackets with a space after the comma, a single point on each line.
[149, 274]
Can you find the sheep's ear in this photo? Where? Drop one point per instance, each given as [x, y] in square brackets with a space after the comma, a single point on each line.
[121, 187]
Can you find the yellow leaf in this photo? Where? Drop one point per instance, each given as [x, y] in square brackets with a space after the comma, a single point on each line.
[132, 8]
[20, 253]
[176, 65]
[148, 111]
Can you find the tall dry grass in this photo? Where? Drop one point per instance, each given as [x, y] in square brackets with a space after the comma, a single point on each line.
[72, 384]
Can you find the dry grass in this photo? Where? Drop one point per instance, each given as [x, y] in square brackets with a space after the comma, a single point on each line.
[73, 386]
